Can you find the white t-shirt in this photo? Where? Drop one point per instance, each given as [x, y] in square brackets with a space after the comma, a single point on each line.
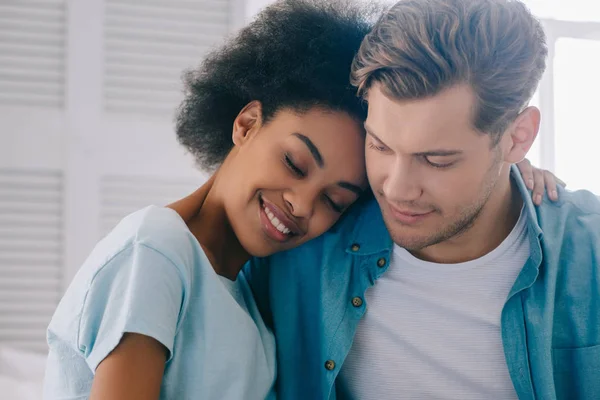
[432, 331]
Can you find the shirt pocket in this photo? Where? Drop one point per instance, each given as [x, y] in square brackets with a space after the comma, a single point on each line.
[577, 373]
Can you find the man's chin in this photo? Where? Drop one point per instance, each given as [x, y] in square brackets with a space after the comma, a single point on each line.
[410, 245]
[409, 239]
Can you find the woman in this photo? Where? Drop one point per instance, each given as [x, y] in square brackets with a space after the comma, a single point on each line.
[160, 309]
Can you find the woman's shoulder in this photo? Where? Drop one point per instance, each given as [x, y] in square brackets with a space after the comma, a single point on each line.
[137, 279]
[154, 226]
[160, 229]
[151, 241]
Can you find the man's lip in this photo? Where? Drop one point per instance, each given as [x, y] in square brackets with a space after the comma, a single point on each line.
[410, 213]
[282, 217]
[408, 216]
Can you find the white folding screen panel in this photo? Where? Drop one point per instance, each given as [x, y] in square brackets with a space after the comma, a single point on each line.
[32, 83]
[149, 43]
[32, 52]
[30, 254]
[88, 91]
[252, 7]
[128, 134]
[121, 195]
[32, 124]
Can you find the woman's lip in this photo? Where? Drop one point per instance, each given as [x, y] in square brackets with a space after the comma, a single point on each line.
[282, 217]
[270, 230]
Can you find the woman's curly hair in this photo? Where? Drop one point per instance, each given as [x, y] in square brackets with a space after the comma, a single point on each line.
[296, 55]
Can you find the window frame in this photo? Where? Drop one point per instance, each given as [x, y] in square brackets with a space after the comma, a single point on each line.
[556, 29]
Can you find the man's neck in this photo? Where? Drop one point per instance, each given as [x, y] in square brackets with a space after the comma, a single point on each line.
[495, 222]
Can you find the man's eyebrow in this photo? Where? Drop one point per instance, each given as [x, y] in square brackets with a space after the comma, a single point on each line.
[370, 133]
[350, 186]
[314, 150]
[438, 153]
[429, 153]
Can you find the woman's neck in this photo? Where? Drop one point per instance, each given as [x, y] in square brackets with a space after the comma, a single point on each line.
[204, 213]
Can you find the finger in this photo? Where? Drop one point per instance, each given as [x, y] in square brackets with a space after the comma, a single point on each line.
[527, 173]
[538, 188]
[551, 188]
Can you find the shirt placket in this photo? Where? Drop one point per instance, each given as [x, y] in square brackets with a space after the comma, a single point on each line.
[371, 268]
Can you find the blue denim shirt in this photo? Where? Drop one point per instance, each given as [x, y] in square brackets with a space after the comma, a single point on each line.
[550, 321]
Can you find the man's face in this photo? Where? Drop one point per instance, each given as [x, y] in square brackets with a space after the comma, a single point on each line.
[431, 171]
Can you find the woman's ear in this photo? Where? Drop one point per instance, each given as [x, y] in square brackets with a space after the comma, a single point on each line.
[248, 122]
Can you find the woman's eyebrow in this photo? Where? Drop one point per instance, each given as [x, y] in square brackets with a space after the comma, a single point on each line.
[314, 150]
[350, 186]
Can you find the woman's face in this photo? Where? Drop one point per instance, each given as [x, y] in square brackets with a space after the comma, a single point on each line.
[289, 181]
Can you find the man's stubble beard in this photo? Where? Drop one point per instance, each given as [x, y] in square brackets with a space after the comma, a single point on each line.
[466, 220]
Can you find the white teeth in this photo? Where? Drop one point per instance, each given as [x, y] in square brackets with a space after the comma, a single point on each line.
[275, 222]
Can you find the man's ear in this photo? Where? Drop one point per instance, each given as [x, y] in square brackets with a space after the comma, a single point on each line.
[522, 134]
[248, 122]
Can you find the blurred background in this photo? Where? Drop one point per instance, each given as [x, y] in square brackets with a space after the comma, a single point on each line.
[88, 90]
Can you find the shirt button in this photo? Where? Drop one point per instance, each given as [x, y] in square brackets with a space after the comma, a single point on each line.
[357, 302]
[355, 247]
[329, 365]
[381, 262]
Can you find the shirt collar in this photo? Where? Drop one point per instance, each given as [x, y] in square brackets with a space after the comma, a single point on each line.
[527, 201]
[531, 270]
[370, 235]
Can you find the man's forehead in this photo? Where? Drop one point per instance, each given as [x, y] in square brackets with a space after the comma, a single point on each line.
[445, 116]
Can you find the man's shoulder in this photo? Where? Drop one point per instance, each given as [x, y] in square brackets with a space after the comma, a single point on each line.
[325, 251]
[571, 267]
[278, 278]
[357, 223]
[582, 201]
[571, 232]
[576, 213]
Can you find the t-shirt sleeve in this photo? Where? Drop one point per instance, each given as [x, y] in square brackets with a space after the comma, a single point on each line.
[138, 291]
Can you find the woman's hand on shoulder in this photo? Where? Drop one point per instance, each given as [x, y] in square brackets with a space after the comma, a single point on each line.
[539, 181]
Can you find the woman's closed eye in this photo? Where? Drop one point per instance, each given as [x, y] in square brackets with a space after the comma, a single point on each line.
[333, 205]
[299, 173]
[292, 166]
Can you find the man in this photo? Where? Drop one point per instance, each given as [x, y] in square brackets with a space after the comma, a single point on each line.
[448, 283]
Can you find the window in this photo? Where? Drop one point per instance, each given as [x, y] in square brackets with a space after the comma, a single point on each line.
[576, 82]
[535, 151]
[565, 10]
[567, 94]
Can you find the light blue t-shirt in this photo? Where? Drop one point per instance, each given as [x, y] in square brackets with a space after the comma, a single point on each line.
[151, 276]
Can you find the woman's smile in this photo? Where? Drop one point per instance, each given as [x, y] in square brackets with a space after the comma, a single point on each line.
[276, 224]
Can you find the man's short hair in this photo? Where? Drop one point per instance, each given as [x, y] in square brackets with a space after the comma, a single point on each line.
[421, 47]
